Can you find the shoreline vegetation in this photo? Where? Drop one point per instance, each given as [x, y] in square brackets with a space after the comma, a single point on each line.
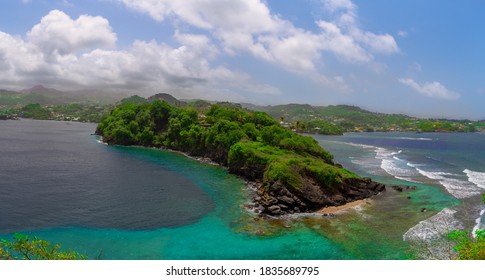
[43, 103]
[291, 173]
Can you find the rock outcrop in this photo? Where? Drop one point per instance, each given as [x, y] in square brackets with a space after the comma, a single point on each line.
[277, 199]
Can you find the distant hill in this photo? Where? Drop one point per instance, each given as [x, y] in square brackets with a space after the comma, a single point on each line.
[135, 99]
[345, 118]
[50, 96]
[167, 98]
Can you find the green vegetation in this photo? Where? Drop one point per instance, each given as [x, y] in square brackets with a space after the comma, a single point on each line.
[51, 104]
[133, 99]
[7, 114]
[35, 111]
[467, 246]
[251, 144]
[329, 120]
[334, 120]
[68, 112]
[24, 247]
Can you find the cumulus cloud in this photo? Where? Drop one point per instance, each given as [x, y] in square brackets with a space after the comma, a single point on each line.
[79, 53]
[430, 89]
[249, 26]
[61, 50]
[58, 34]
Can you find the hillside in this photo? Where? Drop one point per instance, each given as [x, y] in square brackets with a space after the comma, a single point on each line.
[50, 96]
[293, 173]
[345, 118]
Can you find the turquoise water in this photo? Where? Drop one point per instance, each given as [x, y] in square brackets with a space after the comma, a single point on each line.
[163, 185]
[447, 169]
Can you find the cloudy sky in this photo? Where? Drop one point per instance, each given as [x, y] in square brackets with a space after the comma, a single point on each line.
[423, 58]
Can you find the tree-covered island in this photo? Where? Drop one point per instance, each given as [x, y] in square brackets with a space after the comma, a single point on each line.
[293, 173]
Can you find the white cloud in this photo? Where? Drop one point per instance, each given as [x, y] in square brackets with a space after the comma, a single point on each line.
[402, 33]
[249, 26]
[58, 34]
[342, 45]
[60, 52]
[430, 89]
[82, 52]
[336, 5]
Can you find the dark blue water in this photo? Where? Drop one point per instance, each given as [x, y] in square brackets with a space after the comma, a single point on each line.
[55, 174]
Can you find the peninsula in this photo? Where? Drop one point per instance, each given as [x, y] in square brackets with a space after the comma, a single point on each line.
[292, 173]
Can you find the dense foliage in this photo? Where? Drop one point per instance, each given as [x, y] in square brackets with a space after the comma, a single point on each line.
[467, 246]
[24, 247]
[66, 112]
[344, 118]
[251, 144]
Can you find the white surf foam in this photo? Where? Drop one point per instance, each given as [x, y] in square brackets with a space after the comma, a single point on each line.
[395, 166]
[361, 145]
[430, 232]
[478, 223]
[411, 138]
[433, 227]
[477, 178]
[458, 188]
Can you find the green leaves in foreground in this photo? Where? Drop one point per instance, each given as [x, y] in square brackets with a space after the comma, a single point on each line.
[467, 246]
[24, 247]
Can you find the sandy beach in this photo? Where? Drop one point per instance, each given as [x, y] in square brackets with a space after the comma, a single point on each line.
[350, 205]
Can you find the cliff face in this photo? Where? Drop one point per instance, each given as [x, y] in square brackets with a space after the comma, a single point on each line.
[278, 200]
[293, 173]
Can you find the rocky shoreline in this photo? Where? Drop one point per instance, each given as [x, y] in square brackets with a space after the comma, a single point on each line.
[277, 200]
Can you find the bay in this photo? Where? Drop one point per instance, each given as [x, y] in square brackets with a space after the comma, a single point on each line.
[58, 182]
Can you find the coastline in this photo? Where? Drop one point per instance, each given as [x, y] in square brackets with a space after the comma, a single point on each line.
[276, 200]
[333, 210]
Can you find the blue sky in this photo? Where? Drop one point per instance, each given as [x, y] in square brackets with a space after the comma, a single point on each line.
[422, 58]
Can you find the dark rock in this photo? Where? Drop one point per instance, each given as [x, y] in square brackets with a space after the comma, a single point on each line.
[272, 201]
[423, 209]
[397, 188]
[354, 194]
[380, 187]
[282, 206]
[408, 197]
[287, 200]
[366, 180]
[284, 192]
[273, 208]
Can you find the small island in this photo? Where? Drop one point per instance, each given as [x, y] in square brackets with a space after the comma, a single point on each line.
[289, 173]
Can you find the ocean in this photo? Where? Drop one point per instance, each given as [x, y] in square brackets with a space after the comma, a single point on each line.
[451, 162]
[60, 183]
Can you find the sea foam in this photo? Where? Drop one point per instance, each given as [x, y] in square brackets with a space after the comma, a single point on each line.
[394, 165]
[429, 234]
[477, 178]
[458, 188]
